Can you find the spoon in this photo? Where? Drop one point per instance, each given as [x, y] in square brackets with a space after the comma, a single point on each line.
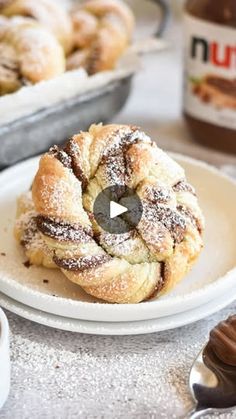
[212, 379]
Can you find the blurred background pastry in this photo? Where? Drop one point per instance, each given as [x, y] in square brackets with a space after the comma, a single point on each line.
[102, 29]
[93, 36]
[107, 35]
[29, 53]
[46, 12]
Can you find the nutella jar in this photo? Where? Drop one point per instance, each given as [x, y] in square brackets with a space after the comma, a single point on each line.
[210, 72]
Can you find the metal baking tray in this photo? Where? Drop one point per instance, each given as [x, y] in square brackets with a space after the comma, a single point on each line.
[35, 133]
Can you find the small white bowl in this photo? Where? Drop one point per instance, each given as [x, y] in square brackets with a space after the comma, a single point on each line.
[4, 359]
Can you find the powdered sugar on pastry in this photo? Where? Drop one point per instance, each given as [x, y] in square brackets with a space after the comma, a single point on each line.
[31, 52]
[124, 268]
[28, 235]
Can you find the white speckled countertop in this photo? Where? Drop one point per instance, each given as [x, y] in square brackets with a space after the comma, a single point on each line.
[62, 375]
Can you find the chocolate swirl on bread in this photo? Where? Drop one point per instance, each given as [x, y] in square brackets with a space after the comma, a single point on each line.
[29, 53]
[122, 268]
[63, 231]
[82, 264]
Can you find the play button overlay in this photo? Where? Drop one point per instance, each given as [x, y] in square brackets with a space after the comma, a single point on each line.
[117, 209]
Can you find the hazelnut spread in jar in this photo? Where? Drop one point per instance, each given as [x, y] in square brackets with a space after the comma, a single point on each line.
[210, 72]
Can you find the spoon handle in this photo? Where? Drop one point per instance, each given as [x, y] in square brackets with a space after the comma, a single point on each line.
[194, 414]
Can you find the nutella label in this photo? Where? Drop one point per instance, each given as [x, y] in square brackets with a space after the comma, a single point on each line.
[210, 72]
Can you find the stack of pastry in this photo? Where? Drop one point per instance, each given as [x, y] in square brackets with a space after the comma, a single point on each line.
[57, 227]
[40, 40]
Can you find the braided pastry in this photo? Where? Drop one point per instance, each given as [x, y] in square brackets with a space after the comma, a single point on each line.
[46, 12]
[121, 268]
[102, 31]
[28, 54]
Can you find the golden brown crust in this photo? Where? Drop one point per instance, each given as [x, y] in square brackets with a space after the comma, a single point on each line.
[129, 268]
[103, 29]
[28, 54]
[48, 13]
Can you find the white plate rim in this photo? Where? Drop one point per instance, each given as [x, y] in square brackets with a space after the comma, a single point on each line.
[120, 312]
[116, 328]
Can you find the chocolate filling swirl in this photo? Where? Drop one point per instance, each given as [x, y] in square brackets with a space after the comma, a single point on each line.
[63, 231]
[69, 158]
[183, 186]
[114, 157]
[160, 282]
[81, 264]
[72, 150]
[187, 213]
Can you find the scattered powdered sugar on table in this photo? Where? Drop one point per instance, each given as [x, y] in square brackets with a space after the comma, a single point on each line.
[58, 374]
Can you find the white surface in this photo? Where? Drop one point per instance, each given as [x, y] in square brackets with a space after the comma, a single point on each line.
[116, 328]
[213, 274]
[4, 359]
[63, 375]
[116, 209]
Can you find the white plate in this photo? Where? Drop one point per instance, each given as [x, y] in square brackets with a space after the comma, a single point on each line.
[116, 328]
[4, 359]
[213, 274]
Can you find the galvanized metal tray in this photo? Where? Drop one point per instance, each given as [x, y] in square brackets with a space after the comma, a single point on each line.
[35, 133]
